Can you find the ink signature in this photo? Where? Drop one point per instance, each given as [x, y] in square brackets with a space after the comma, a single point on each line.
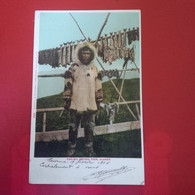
[102, 175]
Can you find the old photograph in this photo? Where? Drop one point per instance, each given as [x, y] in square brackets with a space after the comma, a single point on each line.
[87, 104]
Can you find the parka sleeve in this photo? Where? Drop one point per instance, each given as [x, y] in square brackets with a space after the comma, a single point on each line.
[68, 85]
[98, 88]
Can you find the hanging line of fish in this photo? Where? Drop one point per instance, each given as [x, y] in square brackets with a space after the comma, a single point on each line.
[109, 48]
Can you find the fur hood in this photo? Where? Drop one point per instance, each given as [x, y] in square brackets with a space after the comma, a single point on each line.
[79, 47]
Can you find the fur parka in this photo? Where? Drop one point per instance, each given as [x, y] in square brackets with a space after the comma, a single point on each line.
[83, 83]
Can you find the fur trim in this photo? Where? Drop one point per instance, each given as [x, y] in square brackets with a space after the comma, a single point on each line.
[99, 95]
[82, 45]
[99, 76]
[68, 74]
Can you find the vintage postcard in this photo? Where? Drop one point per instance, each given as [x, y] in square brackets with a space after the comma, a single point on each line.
[87, 123]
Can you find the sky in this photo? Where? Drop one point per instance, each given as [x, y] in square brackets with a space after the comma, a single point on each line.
[57, 27]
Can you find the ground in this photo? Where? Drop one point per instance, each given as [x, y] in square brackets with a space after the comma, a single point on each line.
[124, 145]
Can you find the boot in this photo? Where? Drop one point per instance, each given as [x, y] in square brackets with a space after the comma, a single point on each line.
[73, 131]
[89, 152]
[89, 125]
[71, 149]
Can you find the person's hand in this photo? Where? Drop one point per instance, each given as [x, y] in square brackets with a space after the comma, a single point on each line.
[98, 105]
[67, 104]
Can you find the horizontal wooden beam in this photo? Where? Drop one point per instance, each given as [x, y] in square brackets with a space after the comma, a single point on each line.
[50, 109]
[52, 75]
[60, 135]
[62, 74]
[62, 108]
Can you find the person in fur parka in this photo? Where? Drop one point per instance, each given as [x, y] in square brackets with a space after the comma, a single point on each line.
[82, 95]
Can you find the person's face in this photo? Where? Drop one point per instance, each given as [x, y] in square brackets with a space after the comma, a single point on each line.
[85, 55]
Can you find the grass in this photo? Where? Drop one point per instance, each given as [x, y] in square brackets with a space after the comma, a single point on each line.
[123, 144]
[118, 145]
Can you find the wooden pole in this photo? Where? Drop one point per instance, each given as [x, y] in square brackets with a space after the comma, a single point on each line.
[62, 75]
[137, 109]
[136, 66]
[51, 75]
[102, 28]
[61, 135]
[121, 89]
[79, 27]
[62, 108]
[44, 121]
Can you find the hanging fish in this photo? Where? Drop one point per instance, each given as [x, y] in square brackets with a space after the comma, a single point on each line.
[64, 56]
[52, 58]
[57, 57]
[47, 56]
[111, 49]
[119, 44]
[101, 46]
[132, 54]
[111, 41]
[137, 34]
[106, 42]
[129, 36]
[41, 57]
[116, 73]
[119, 39]
[106, 49]
[124, 51]
[134, 34]
[60, 54]
[68, 55]
[115, 40]
[124, 38]
[71, 60]
[73, 51]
